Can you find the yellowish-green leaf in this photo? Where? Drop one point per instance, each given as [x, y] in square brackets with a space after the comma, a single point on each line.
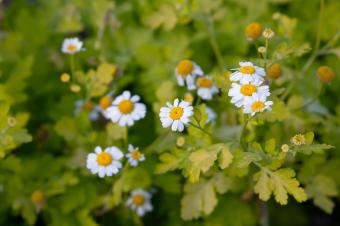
[225, 157]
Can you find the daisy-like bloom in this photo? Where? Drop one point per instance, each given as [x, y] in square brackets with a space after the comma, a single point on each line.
[140, 202]
[211, 114]
[104, 103]
[285, 148]
[239, 93]
[126, 109]
[186, 72]
[71, 45]
[176, 115]
[134, 156]
[91, 108]
[205, 87]
[256, 103]
[248, 73]
[105, 162]
[298, 139]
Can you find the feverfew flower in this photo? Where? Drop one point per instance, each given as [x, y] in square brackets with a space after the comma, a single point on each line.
[126, 109]
[104, 103]
[140, 202]
[255, 104]
[298, 139]
[205, 87]
[186, 72]
[134, 156]
[71, 45]
[176, 115]
[248, 73]
[239, 93]
[105, 162]
[90, 107]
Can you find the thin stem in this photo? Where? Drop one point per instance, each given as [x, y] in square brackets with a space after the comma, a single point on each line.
[72, 65]
[264, 216]
[266, 54]
[200, 128]
[243, 132]
[317, 41]
[213, 41]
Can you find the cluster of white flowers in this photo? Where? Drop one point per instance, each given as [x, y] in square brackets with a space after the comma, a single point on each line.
[190, 74]
[249, 92]
[108, 161]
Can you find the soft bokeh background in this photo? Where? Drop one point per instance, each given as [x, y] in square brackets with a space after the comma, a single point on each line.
[144, 40]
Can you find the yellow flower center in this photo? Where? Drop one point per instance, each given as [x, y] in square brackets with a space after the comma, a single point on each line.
[185, 67]
[176, 113]
[325, 74]
[299, 139]
[247, 70]
[65, 77]
[105, 102]
[138, 200]
[38, 198]
[126, 106]
[188, 98]
[257, 106]
[104, 159]
[274, 71]
[204, 82]
[71, 48]
[136, 155]
[254, 30]
[248, 89]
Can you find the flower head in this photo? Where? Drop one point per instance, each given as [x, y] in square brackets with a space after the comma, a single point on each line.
[268, 33]
[274, 71]
[325, 74]
[256, 103]
[186, 72]
[126, 109]
[71, 45]
[140, 202]
[248, 73]
[298, 139]
[134, 156]
[253, 30]
[104, 103]
[205, 87]
[239, 93]
[105, 162]
[176, 115]
[285, 148]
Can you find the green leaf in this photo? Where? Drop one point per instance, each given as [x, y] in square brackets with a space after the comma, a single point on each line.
[225, 157]
[281, 183]
[171, 161]
[201, 161]
[270, 146]
[309, 149]
[321, 190]
[309, 136]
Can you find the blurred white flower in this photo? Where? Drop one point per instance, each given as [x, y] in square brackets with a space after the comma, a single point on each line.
[140, 202]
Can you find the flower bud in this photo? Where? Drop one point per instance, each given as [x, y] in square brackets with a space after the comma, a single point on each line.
[253, 30]
[325, 74]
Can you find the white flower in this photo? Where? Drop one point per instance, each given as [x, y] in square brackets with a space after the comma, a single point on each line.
[176, 115]
[186, 72]
[239, 93]
[71, 45]
[205, 87]
[211, 114]
[248, 73]
[140, 202]
[105, 163]
[255, 104]
[126, 110]
[91, 108]
[134, 156]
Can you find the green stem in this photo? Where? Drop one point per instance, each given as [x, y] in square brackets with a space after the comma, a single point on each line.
[213, 41]
[317, 41]
[266, 54]
[72, 65]
[243, 132]
[200, 128]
